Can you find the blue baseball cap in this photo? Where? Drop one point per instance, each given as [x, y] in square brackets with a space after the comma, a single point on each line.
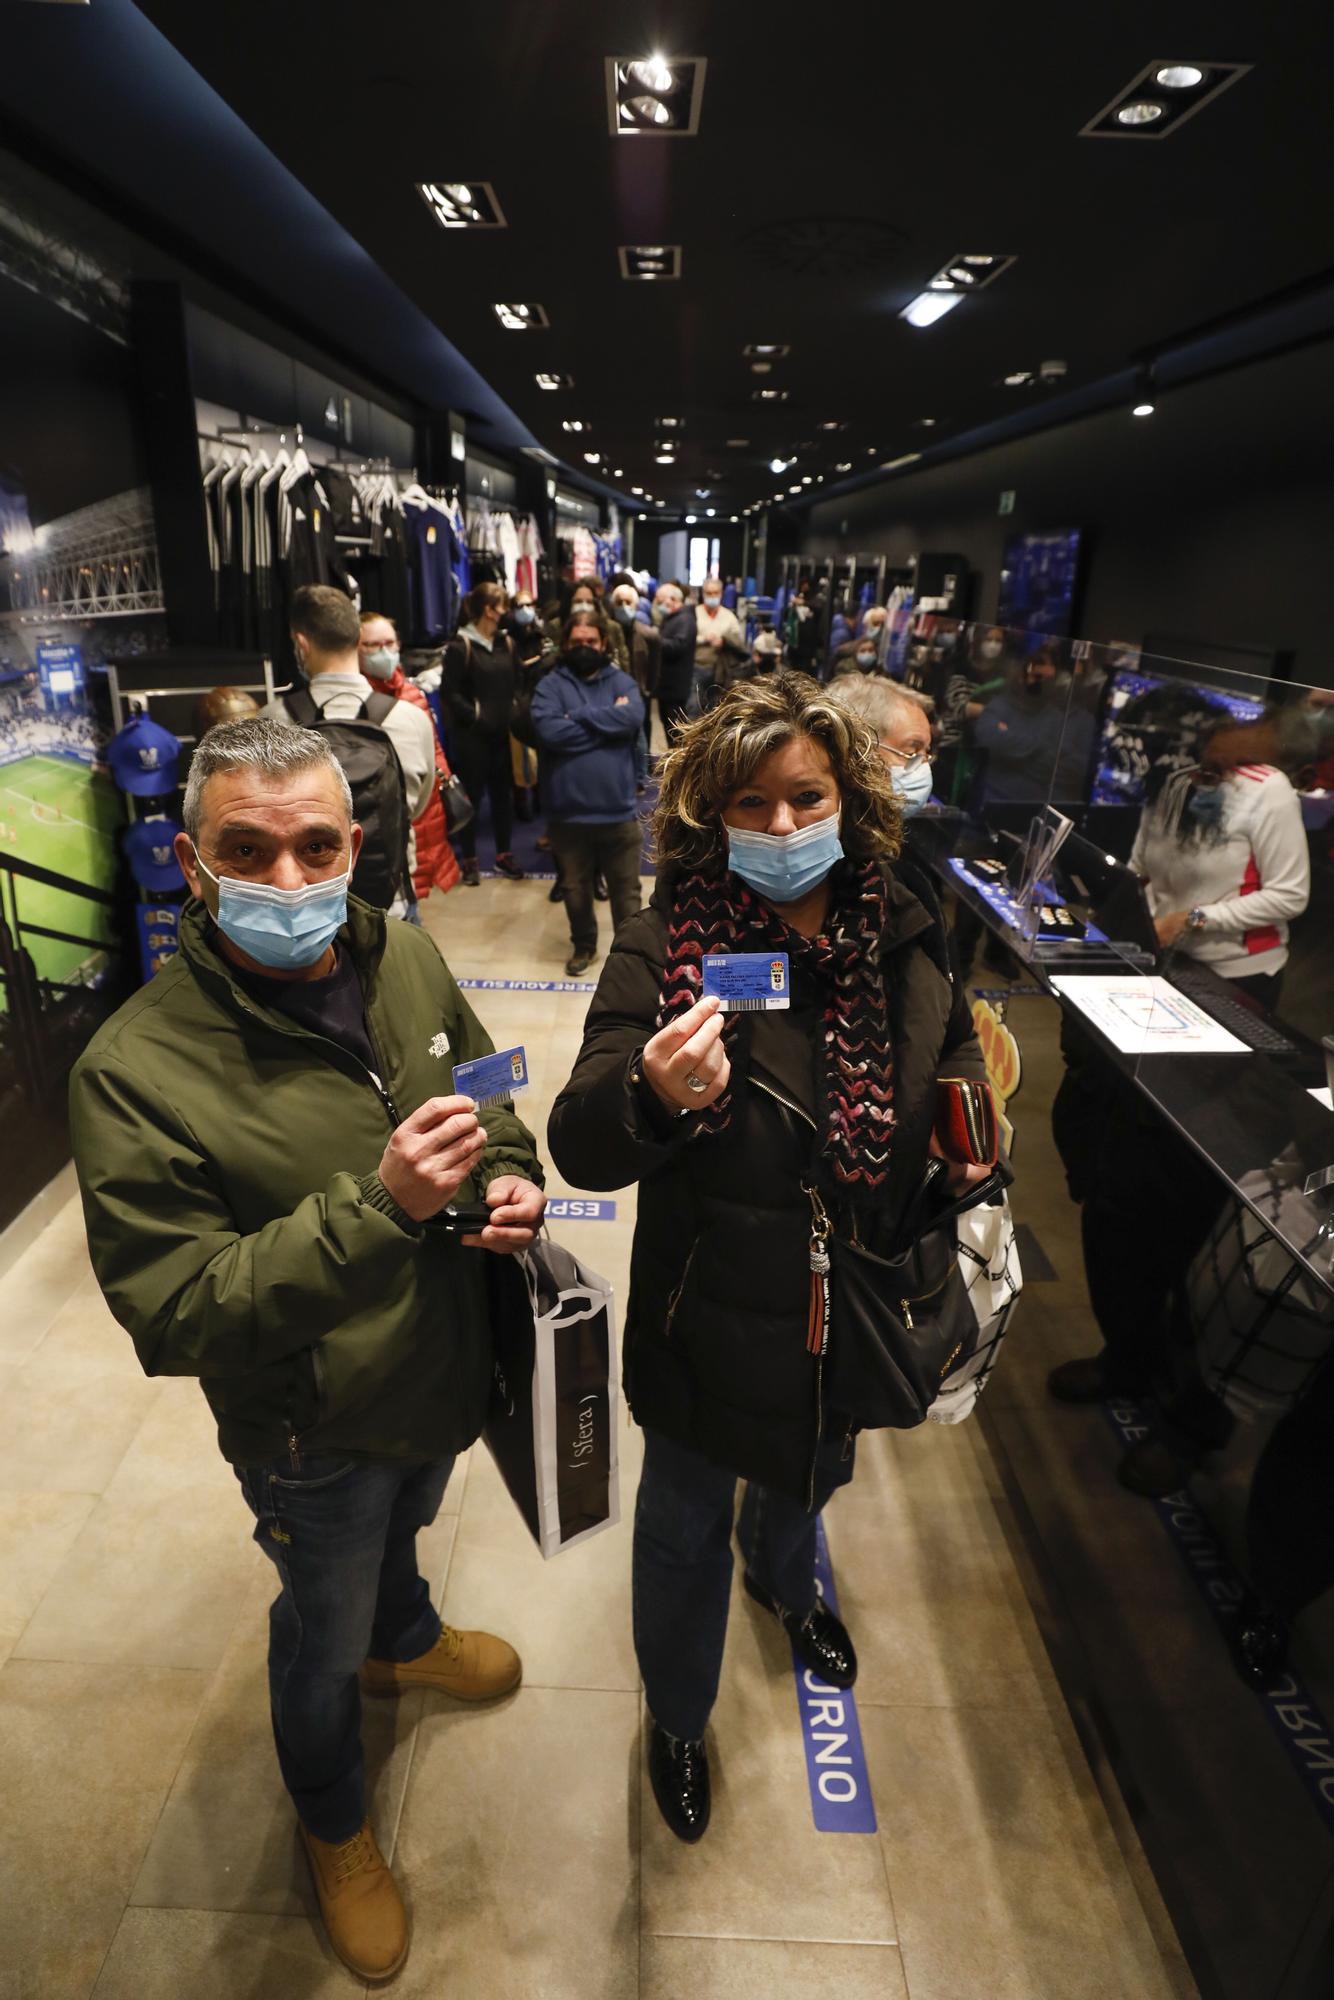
[143, 758]
[152, 858]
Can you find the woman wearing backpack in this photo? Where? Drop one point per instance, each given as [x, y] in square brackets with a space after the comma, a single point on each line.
[479, 684]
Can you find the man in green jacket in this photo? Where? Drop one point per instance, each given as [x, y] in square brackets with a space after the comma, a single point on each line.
[265, 1145]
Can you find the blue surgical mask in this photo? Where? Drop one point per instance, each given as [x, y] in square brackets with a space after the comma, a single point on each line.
[381, 663]
[783, 866]
[866, 658]
[625, 612]
[911, 788]
[524, 614]
[281, 928]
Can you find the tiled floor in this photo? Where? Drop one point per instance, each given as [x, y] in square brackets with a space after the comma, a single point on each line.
[147, 1850]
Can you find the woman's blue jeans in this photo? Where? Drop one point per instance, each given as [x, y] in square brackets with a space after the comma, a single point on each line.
[682, 1568]
[342, 1535]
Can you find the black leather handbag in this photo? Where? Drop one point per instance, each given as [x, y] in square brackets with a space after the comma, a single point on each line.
[889, 1329]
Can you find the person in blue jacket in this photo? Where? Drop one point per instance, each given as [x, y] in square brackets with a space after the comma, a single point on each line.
[587, 716]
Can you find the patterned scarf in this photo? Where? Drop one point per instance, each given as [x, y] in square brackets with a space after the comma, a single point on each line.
[856, 1071]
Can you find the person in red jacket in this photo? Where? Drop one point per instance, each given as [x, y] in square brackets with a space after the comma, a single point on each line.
[436, 865]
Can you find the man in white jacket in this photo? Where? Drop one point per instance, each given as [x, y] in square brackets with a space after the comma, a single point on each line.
[1227, 868]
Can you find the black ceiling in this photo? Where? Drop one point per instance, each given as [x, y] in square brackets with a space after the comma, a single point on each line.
[871, 139]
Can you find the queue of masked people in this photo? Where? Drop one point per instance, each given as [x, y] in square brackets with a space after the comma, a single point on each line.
[273, 1160]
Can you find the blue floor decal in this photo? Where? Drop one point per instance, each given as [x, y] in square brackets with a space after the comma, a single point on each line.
[835, 1761]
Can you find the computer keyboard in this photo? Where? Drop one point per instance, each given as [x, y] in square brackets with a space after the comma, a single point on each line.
[1233, 1015]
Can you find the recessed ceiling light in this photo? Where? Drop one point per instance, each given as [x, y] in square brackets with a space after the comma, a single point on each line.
[733, 517]
[654, 96]
[1142, 410]
[970, 271]
[928, 307]
[649, 260]
[974, 257]
[641, 517]
[761, 367]
[521, 319]
[926, 423]
[1020, 378]
[774, 350]
[462, 205]
[779, 464]
[574, 424]
[846, 466]
[908, 458]
[703, 492]
[1137, 112]
[710, 511]
[831, 424]
[691, 519]
[806, 479]
[737, 444]
[664, 458]
[794, 489]
[668, 423]
[769, 395]
[961, 274]
[554, 381]
[592, 458]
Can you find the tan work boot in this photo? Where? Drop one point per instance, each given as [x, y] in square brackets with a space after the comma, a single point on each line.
[472, 1666]
[359, 1902]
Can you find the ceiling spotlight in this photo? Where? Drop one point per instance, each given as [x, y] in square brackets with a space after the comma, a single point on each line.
[691, 520]
[574, 424]
[1137, 112]
[806, 479]
[649, 260]
[1020, 378]
[792, 489]
[459, 205]
[1142, 410]
[668, 423]
[961, 274]
[664, 458]
[769, 395]
[703, 492]
[779, 464]
[592, 458]
[831, 424]
[554, 381]
[737, 444]
[846, 466]
[710, 511]
[521, 319]
[928, 307]
[761, 367]
[641, 517]
[926, 423]
[637, 489]
[974, 258]
[654, 96]
[733, 517]
[772, 350]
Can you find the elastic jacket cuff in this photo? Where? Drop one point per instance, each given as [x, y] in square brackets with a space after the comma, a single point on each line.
[376, 1195]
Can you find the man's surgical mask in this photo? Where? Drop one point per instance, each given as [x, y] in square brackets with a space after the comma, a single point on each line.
[784, 866]
[625, 612]
[381, 663]
[912, 787]
[712, 600]
[281, 928]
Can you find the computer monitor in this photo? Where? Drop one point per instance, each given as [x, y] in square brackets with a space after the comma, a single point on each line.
[1150, 720]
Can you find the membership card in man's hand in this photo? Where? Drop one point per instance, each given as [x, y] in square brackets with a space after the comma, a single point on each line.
[492, 1079]
[747, 982]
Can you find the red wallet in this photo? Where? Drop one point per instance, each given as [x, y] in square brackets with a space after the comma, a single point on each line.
[965, 1125]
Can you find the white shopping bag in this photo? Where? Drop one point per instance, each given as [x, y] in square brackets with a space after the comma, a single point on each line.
[989, 1261]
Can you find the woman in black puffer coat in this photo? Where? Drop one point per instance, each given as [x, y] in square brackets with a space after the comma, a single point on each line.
[777, 830]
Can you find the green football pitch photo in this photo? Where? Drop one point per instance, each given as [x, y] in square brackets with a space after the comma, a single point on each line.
[62, 816]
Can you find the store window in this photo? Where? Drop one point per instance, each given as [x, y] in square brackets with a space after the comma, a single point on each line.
[703, 559]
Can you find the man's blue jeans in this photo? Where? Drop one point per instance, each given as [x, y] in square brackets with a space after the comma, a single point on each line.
[682, 1568]
[342, 1535]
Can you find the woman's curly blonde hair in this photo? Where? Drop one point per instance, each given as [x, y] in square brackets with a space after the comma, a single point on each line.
[722, 750]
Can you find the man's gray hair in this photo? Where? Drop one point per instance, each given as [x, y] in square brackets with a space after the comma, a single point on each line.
[259, 743]
[881, 702]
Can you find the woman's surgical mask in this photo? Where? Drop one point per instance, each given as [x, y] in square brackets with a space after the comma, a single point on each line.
[1207, 802]
[866, 658]
[381, 663]
[784, 866]
[281, 928]
[584, 607]
[524, 614]
[991, 649]
[912, 787]
[627, 613]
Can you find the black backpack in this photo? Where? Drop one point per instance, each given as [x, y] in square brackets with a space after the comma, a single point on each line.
[379, 793]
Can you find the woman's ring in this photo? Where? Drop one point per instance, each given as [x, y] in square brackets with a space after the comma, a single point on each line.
[694, 1082]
